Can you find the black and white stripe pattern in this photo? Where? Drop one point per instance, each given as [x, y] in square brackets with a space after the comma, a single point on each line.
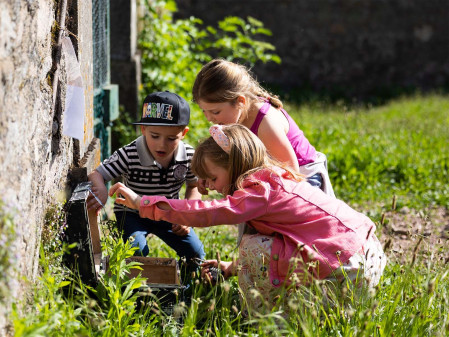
[144, 175]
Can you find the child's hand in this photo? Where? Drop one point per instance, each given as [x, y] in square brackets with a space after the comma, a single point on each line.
[125, 196]
[201, 185]
[226, 267]
[180, 230]
[100, 191]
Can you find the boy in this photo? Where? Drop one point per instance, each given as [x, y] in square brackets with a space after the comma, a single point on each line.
[156, 163]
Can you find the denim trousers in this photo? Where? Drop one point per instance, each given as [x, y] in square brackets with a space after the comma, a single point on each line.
[188, 246]
[316, 180]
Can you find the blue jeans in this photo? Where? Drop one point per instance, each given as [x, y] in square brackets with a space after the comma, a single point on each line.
[188, 246]
[315, 180]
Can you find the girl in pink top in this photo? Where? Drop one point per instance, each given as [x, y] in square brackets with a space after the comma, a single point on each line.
[227, 93]
[299, 228]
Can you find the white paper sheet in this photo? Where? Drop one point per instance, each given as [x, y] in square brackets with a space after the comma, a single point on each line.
[73, 117]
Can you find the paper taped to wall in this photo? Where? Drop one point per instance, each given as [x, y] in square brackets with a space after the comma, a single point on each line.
[73, 118]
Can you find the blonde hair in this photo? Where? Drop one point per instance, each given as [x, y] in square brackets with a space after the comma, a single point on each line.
[247, 155]
[223, 81]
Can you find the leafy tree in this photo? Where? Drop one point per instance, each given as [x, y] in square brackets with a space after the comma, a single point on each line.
[173, 51]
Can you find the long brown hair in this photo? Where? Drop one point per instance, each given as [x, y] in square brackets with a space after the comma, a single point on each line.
[247, 155]
[223, 81]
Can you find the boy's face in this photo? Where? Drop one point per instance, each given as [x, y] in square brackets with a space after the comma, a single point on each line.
[162, 141]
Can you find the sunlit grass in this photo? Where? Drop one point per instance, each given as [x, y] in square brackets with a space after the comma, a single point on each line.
[400, 149]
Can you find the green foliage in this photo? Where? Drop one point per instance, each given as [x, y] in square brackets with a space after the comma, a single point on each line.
[51, 238]
[51, 313]
[123, 128]
[173, 51]
[8, 249]
[377, 152]
[67, 307]
[412, 298]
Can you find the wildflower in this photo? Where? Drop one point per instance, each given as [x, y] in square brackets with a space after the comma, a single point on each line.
[131, 239]
[292, 304]
[294, 278]
[178, 311]
[350, 313]
[197, 300]
[294, 261]
[226, 286]
[312, 264]
[234, 308]
[212, 305]
[431, 287]
[253, 292]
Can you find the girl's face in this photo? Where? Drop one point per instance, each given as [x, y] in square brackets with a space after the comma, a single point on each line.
[223, 113]
[218, 177]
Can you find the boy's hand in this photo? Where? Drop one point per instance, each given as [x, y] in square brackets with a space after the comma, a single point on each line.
[180, 230]
[125, 196]
[100, 191]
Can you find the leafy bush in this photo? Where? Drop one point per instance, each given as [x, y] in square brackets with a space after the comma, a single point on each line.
[173, 51]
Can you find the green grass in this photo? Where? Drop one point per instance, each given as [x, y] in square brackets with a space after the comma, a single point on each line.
[400, 148]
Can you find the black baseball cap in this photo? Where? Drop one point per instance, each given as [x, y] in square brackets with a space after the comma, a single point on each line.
[164, 108]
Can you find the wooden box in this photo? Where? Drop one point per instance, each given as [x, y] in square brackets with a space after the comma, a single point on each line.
[82, 228]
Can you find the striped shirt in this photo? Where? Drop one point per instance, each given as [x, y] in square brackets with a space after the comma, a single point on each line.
[144, 175]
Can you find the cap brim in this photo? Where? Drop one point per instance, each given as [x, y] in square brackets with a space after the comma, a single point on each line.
[156, 124]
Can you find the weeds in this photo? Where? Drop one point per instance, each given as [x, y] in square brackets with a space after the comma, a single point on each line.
[412, 298]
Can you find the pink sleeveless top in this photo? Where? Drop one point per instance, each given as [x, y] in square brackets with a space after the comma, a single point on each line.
[305, 152]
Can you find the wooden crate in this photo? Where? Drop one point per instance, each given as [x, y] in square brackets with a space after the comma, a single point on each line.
[156, 269]
[82, 228]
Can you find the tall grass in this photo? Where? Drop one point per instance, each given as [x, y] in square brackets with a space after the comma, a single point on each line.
[401, 148]
[374, 153]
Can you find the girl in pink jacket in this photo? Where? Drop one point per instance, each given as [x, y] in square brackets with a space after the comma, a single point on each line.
[302, 233]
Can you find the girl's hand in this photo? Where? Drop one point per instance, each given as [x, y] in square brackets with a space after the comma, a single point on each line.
[202, 188]
[226, 267]
[125, 196]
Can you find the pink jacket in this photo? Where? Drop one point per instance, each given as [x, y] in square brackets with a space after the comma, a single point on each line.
[304, 221]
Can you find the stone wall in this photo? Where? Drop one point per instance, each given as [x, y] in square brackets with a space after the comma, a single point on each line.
[35, 157]
[352, 47]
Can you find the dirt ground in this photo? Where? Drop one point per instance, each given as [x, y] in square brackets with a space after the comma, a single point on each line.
[408, 235]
